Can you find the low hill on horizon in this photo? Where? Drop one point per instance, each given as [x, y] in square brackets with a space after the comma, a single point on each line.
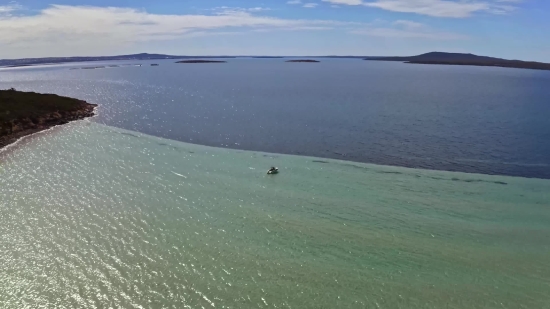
[439, 56]
[465, 59]
[427, 58]
[50, 60]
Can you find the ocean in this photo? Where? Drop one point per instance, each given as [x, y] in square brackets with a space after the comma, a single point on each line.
[455, 118]
[100, 214]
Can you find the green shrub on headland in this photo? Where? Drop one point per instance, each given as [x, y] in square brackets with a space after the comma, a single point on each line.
[23, 113]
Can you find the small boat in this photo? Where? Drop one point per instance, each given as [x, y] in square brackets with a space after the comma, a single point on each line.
[273, 171]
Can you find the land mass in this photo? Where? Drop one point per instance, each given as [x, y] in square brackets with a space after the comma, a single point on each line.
[303, 60]
[465, 59]
[25, 113]
[429, 58]
[201, 61]
[54, 60]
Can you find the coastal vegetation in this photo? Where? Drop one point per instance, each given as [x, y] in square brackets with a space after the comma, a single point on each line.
[24, 113]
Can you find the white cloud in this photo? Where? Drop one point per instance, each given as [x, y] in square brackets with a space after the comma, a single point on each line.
[438, 8]
[63, 29]
[294, 2]
[258, 9]
[310, 5]
[10, 8]
[407, 30]
[226, 10]
[502, 9]
[346, 2]
[408, 24]
[304, 28]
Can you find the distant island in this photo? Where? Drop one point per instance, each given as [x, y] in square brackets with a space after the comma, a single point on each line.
[18, 65]
[304, 60]
[25, 113]
[55, 60]
[108, 66]
[429, 58]
[201, 61]
[465, 59]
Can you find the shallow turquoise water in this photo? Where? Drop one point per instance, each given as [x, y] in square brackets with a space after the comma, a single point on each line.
[97, 217]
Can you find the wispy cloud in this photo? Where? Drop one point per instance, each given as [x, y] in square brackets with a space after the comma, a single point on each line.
[408, 24]
[87, 28]
[7, 10]
[310, 5]
[226, 10]
[302, 28]
[406, 29]
[438, 8]
[346, 2]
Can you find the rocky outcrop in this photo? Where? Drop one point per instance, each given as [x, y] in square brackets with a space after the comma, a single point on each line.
[12, 130]
[304, 60]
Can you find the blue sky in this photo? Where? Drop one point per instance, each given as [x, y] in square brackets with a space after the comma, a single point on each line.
[518, 29]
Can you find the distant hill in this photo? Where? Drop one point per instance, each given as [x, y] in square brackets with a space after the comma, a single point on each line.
[465, 59]
[49, 60]
[438, 56]
[428, 58]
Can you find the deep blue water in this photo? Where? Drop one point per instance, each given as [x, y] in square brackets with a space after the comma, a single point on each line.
[470, 119]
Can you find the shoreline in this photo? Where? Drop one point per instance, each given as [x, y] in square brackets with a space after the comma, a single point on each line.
[15, 141]
[16, 128]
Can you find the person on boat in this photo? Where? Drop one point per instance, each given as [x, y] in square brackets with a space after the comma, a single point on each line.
[273, 170]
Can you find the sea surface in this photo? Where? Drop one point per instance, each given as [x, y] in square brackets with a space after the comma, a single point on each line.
[93, 216]
[135, 208]
[455, 118]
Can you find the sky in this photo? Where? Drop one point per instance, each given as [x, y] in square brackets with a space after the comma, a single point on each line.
[512, 29]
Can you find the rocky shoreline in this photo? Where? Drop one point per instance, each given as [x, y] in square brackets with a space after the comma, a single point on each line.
[39, 119]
